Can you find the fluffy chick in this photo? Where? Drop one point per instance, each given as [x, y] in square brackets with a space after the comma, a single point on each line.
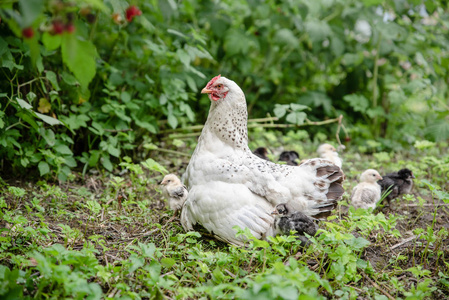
[399, 183]
[287, 219]
[174, 191]
[261, 152]
[289, 157]
[329, 152]
[367, 193]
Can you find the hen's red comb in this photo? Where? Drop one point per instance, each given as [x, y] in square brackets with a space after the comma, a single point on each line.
[213, 80]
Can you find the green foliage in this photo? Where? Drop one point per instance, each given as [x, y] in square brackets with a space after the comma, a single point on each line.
[114, 241]
[83, 85]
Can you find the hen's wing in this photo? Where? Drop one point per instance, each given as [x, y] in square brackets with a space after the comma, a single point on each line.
[313, 188]
[219, 206]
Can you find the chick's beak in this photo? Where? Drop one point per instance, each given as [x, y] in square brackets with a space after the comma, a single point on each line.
[206, 91]
[274, 213]
[379, 177]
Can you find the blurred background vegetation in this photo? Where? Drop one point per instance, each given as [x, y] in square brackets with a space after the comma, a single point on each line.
[86, 82]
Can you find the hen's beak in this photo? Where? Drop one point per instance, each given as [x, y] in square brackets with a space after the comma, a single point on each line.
[206, 91]
[413, 176]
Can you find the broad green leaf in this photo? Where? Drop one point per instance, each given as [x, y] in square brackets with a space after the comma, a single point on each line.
[236, 42]
[48, 135]
[30, 9]
[27, 117]
[51, 42]
[152, 165]
[285, 36]
[317, 99]
[357, 102]
[63, 149]
[69, 78]
[126, 96]
[167, 262]
[177, 33]
[113, 150]
[280, 110]
[51, 76]
[2, 123]
[136, 262]
[106, 162]
[24, 104]
[352, 60]
[47, 119]
[296, 117]
[93, 158]
[3, 47]
[74, 121]
[299, 107]
[172, 121]
[318, 30]
[184, 57]
[43, 167]
[358, 243]
[375, 112]
[79, 56]
[34, 53]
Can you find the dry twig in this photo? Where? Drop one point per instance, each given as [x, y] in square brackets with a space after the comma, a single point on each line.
[379, 288]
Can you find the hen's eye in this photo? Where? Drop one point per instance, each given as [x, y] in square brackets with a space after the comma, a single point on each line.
[219, 86]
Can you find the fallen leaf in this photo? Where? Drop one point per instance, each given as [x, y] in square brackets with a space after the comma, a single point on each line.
[44, 106]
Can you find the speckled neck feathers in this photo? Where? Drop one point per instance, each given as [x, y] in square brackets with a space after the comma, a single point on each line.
[227, 120]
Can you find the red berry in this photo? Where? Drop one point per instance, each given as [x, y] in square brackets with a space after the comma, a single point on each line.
[28, 32]
[58, 27]
[70, 28]
[131, 12]
[347, 139]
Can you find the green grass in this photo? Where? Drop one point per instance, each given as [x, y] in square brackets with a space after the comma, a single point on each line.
[105, 236]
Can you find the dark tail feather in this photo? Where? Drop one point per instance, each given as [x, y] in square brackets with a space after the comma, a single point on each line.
[335, 192]
[330, 169]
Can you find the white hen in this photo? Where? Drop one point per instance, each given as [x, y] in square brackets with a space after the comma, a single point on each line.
[366, 194]
[230, 186]
[327, 151]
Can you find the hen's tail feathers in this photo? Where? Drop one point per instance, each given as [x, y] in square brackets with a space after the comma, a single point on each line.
[330, 178]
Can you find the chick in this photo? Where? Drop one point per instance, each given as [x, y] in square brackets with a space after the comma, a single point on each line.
[398, 182]
[366, 194]
[289, 157]
[174, 191]
[261, 152]
[329, 152]
[287, 219]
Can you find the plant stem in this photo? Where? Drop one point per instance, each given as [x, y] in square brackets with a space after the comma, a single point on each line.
[375, 75]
